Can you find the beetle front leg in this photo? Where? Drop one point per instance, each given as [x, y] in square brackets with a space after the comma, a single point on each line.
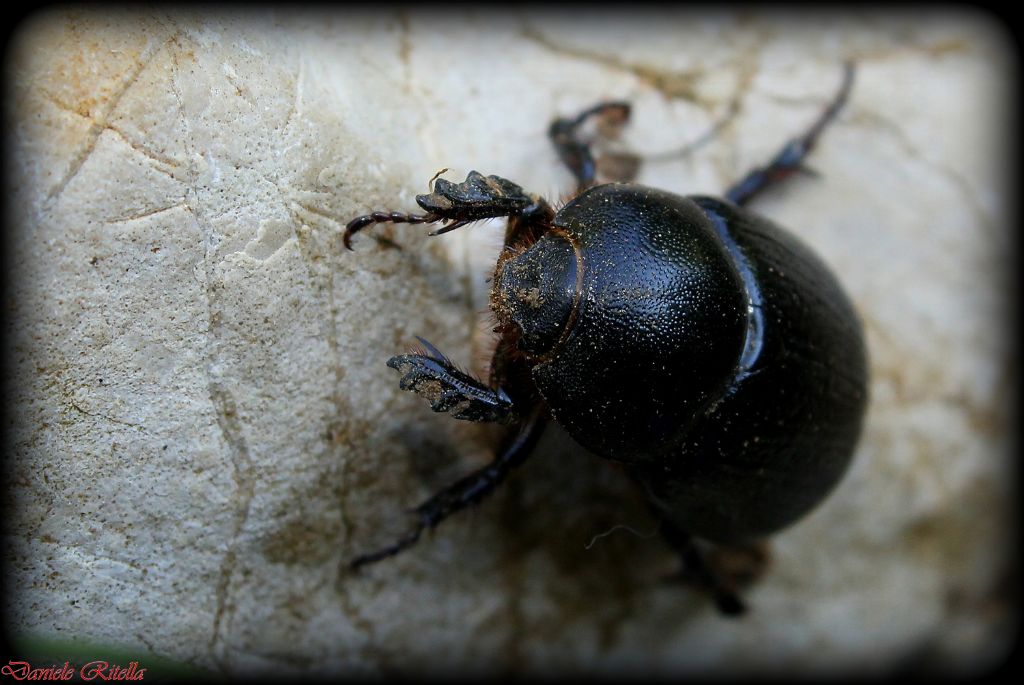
[433, 376]
[790, 158]
[457, 204]
[466, 491]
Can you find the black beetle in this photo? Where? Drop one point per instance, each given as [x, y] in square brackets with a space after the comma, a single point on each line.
[695, 342]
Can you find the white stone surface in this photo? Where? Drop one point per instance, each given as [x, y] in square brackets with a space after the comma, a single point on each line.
[203, 427]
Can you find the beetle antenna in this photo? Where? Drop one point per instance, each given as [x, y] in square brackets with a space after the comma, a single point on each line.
[430, 183]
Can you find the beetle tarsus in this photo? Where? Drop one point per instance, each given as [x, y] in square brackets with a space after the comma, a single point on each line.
[361, 222]
[789, 160]
[391, 550]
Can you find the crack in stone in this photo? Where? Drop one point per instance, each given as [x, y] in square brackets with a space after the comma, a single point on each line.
[223, 402]
[99, 124]
[962, 185]
[149, 644]
[316, 212]
[674, 84]
[241, 92]
[149, 213]
[159, 160]
[87, 554]
[148, 154]
[335, 427]
[243, 472]
[343, 485]
[296, 108]
[97, 415]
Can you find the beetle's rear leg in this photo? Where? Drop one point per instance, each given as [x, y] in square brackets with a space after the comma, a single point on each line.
[575, 147]
[457, 204]
[790, 158]
[697, 568]
[465, 491]
[742, 564]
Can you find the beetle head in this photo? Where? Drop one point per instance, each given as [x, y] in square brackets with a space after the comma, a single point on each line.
[537, 291]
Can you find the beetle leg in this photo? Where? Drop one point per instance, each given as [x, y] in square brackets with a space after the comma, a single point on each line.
[434, 377]
[743, 564]
[574, 149]
[457, 204]
[361, 222]
[467, 490]
[482, 197]
[790, 158]
[697, 568]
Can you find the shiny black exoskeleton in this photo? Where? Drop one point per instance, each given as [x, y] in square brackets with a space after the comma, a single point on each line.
[705, 348]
